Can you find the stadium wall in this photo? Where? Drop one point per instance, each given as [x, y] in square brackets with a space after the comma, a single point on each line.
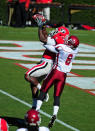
[83, 16]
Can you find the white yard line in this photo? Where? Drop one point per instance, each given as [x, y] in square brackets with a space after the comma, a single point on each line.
[44, 113]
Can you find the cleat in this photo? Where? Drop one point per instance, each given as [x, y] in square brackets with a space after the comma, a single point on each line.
[52, 121]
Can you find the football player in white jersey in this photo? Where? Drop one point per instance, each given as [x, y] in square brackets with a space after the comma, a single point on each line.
[36, 73]
[33, 121]
[66, 53]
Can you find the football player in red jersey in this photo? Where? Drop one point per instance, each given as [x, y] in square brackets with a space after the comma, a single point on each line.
[33, 120]
[66, 53]
[36, 73]
[30, 122]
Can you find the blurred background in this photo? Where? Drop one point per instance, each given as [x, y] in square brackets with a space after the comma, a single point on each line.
[68, 12]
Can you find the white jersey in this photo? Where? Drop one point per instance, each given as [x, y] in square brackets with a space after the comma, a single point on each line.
[50, 41]
[64, 58]
[40, 129]
[43, 128]
[49, 56]
[22, 129]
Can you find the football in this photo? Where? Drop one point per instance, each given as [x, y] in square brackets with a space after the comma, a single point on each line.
[39, 16]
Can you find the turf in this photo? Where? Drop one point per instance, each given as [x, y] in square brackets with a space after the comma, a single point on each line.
[77, 106]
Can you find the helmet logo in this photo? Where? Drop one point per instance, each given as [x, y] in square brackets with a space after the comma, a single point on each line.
[62, 30]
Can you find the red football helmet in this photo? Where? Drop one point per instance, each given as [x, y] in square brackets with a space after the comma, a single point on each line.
[32, 117]
[73, 42]
[61, 34]
[3, 125]
[63, 31]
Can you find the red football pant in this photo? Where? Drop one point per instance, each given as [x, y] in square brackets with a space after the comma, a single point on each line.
[56, 78]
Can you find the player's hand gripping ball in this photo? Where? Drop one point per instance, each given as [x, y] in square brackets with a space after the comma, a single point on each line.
[39, 19]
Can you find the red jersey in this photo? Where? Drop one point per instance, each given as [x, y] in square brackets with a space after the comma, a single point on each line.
[26, 2]
[49, 55]
[10, 0]
[43, 1]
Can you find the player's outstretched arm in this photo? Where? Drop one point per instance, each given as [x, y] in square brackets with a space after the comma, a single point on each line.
[41, 22]
[42, 33]
[51, 48]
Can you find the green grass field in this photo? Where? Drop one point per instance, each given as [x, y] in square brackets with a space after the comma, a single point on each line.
[77, 110]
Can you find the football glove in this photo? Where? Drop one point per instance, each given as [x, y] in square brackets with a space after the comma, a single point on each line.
[52, 121]
[39, 19]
